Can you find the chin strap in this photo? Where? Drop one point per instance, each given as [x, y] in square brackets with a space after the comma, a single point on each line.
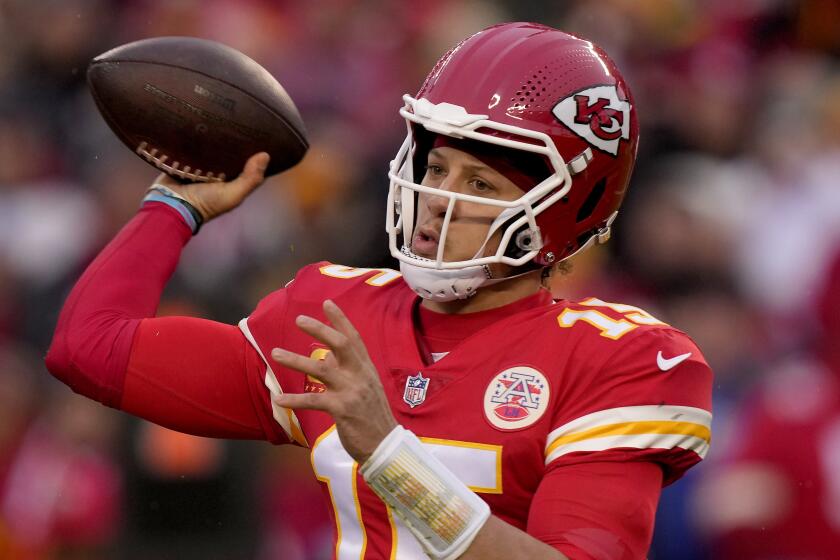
[449, 284]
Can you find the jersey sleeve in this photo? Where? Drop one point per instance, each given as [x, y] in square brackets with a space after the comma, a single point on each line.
[198, 377]
[597, 511]
[272, 325]
[649, 399]
[263, 330]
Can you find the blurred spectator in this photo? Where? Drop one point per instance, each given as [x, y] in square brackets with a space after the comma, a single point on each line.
[778, 495]
[792, 228]
[296, 524]
[685, 219]
[17, 407]
[60, 492]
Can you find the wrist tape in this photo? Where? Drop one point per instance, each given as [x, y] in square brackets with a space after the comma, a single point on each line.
[191, 215]
[439, 509]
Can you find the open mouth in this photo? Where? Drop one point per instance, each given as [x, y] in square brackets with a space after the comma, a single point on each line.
[425, 243]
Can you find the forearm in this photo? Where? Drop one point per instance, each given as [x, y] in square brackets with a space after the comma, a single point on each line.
[123, 285]
[500, 540]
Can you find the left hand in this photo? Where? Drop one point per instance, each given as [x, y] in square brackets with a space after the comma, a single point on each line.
[354, 396]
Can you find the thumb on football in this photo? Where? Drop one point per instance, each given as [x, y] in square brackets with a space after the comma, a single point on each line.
[251, 177]
[214, 199]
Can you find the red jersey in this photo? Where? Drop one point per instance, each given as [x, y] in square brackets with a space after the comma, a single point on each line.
[559, 384]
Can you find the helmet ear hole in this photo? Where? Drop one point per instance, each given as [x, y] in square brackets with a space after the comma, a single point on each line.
[592, 200]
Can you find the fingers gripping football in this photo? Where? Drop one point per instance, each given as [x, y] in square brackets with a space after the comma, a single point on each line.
[354, 397]
[214, 199]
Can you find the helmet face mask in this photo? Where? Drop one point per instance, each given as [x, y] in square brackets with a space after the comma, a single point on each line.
[514, 216]
[569, 107]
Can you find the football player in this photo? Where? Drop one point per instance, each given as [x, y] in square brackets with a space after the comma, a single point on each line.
[452, 409]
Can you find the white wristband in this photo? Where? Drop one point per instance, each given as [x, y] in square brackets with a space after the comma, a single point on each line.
[439, 509]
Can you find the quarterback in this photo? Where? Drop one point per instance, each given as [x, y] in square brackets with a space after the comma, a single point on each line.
[452, 408]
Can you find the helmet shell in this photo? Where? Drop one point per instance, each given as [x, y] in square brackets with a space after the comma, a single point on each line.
[532, 76]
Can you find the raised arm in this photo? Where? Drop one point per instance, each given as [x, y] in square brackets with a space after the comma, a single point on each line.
[189, 374]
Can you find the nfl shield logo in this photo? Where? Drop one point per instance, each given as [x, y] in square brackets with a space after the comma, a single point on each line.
[415, 389]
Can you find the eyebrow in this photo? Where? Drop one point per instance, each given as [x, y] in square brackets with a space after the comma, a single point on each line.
[471, 166]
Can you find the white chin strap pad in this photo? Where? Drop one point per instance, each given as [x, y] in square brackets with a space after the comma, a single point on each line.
[445, 285]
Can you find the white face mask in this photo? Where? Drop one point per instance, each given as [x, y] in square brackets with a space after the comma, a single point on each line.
[442, 280]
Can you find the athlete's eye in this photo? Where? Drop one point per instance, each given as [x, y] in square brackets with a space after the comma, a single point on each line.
[482, 186]
[434, 170]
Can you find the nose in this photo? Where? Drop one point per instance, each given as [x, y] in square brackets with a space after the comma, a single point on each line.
[437, 205]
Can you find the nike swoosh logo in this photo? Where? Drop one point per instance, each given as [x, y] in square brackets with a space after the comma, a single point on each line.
[668, 363]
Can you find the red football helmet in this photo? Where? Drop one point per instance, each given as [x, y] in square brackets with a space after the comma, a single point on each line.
[528, 87]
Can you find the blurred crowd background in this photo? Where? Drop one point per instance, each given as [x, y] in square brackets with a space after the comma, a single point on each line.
[731, 232]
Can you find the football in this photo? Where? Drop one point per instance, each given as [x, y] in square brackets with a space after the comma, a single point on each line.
[196, 109]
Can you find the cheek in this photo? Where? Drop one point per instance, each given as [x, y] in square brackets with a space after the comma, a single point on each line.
[476, 233]
[465, 238]
[420, 210]
[493, 243]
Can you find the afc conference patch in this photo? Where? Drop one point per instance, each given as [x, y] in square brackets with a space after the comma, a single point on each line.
[415, 389]
[516, 398]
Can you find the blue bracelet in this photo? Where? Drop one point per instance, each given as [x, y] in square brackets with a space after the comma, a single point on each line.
[192, 217]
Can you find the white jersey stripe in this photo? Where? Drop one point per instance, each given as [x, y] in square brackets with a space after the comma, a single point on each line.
[633, 426]
[644, 413]
[283, 416]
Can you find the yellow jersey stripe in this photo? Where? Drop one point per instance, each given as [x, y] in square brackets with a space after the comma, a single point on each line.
[633, 428]
[641, 441]
[629, 414]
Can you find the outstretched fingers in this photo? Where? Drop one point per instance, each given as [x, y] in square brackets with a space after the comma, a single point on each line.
[343, 325]
[313, 401]
[339, 319]
[316, 368]
[337, 341]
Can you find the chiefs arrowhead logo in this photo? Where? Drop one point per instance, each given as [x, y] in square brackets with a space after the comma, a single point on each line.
[598, 116]
[312, 384]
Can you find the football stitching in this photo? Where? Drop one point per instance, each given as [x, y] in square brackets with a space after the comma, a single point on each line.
[151, 155]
